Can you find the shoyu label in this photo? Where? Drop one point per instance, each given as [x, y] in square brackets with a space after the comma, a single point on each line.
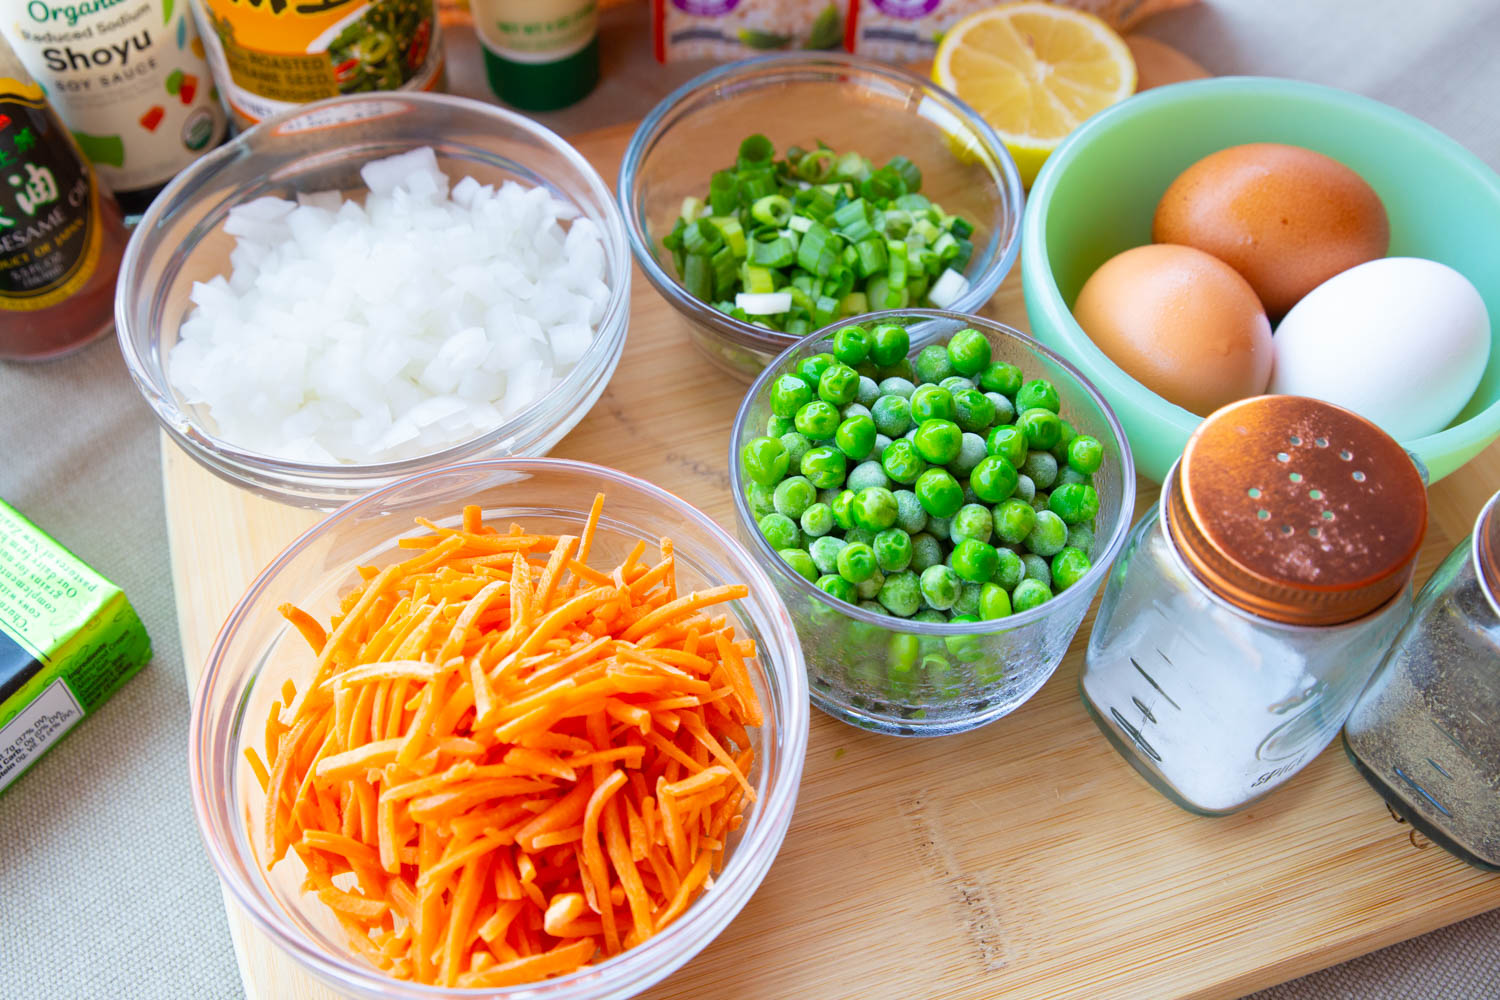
[49, 205]
[272, 55]
[128, 77]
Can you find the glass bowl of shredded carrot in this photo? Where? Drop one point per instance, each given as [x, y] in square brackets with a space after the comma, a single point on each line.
[511, 728]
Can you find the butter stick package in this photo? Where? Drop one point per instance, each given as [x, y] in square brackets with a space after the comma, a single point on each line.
[68, 640]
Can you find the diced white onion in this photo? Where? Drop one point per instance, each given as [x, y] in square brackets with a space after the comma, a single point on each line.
[358, 333]
[948, 288]
[764, 303]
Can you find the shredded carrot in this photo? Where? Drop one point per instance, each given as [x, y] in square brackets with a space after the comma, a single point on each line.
[526, 764]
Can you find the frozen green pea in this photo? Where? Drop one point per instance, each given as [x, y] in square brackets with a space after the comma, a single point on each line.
[1067, 475]
[837, 586]
[940, 586]
[777, 426]
[902, 463]
[1014, 520]
[929, 615]
[972, 411]
[789, 394]
[1041, 426]
[892, 550]
[881, 444]
[825, 553]
[897, 387]
[971, 451]
[931, 402]
[1068, 567]
[868, 391]
[780, 531]
[1074, 503]
[1037, 568]
[1029, 594]
[1081, 537]
[1048, 536]
[817, 520]
[1040, 501]
[993, 479]
[994, 601]
[889, 343]
[1009, 443]
[838, 384]
[828, 496]
[1085, 454]
[796, 445]
[1038, 393]
[851, 345]
[1025, 488]
[793, 496]
[974, 560]
[871, 606]
[869, 587]
[761, 499]
[938, 527]
[800, 562]
[968, 599]
[901, 595]
[1002, 377]
[1005, 410]
[910, 516]
[1042, 468]
[892, 415]
[856, 562]
[818, 420]
[938, 441]
[867, 474]
[843, 509]
[874, 508]
[974, 521]
[1009, 569]
[824, 466]
[855, 410]
[969, 351]
[901, 369]
[932, 363]
[956, 384]
[1060, 450]
[764, 460]
[938, 493]
[925, 551]
[903, 647]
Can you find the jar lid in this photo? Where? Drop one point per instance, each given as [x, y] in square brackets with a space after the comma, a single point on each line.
[1487, 551]
[1297, 510]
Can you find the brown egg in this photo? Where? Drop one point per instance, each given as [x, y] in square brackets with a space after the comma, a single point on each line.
[1286, 218]
[1180, 322]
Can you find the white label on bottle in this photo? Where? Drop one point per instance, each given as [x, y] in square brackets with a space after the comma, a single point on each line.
[128, 77]
[535, 31]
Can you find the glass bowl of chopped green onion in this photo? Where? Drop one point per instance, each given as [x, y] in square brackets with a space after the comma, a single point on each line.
[938, 498]
[769, 198]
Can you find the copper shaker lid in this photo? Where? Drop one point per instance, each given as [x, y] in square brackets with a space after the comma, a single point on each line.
[1487, 550]
[1297, 510]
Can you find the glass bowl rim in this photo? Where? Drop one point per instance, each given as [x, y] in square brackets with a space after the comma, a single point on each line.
[1086, 584]
[773, 814]
[608, 343]
[747, 335]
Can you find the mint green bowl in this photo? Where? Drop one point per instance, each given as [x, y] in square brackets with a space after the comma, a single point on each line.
[1097, 193]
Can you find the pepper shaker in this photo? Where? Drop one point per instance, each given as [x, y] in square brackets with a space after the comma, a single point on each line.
[1426, 732]
[1245, 615]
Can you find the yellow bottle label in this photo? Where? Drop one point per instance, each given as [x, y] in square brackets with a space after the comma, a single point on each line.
[276, 54]
[50, 230]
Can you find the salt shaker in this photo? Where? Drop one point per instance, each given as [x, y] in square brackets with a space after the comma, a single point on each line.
[1426, 732]
[1244, 616]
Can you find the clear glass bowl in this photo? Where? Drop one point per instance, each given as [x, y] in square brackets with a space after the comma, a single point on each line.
[970, 673]
[256, 650]
[802, 98]
[320, 147]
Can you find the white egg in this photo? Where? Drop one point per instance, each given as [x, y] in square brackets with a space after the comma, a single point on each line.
[1401, 341]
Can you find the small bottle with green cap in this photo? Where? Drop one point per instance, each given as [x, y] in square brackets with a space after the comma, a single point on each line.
[539, 55]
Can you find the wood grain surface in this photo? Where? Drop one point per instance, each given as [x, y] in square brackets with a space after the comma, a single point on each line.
[1025, 859]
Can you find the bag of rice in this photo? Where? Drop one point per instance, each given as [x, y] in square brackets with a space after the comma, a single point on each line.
[738, 29]
[909, 30]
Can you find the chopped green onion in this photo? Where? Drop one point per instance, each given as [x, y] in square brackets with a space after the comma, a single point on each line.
[758, 279]
[729, 228]
[691, 208]
[910, 175]
[763, 304]
[773, 210]
[755, 150]
[701, 238]
[777, 252]
[872, 257]
[816, 165]
[818, 251]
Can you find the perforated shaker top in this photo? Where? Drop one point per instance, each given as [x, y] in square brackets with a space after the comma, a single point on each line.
[1297, 510]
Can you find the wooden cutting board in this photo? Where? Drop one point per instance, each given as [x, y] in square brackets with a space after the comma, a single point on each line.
[1025, 859]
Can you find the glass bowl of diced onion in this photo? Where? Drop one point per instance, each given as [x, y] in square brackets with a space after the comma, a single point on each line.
[851, 105]
[375, 354]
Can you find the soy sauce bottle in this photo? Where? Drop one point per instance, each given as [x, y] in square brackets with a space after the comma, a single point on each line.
[61, 232]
